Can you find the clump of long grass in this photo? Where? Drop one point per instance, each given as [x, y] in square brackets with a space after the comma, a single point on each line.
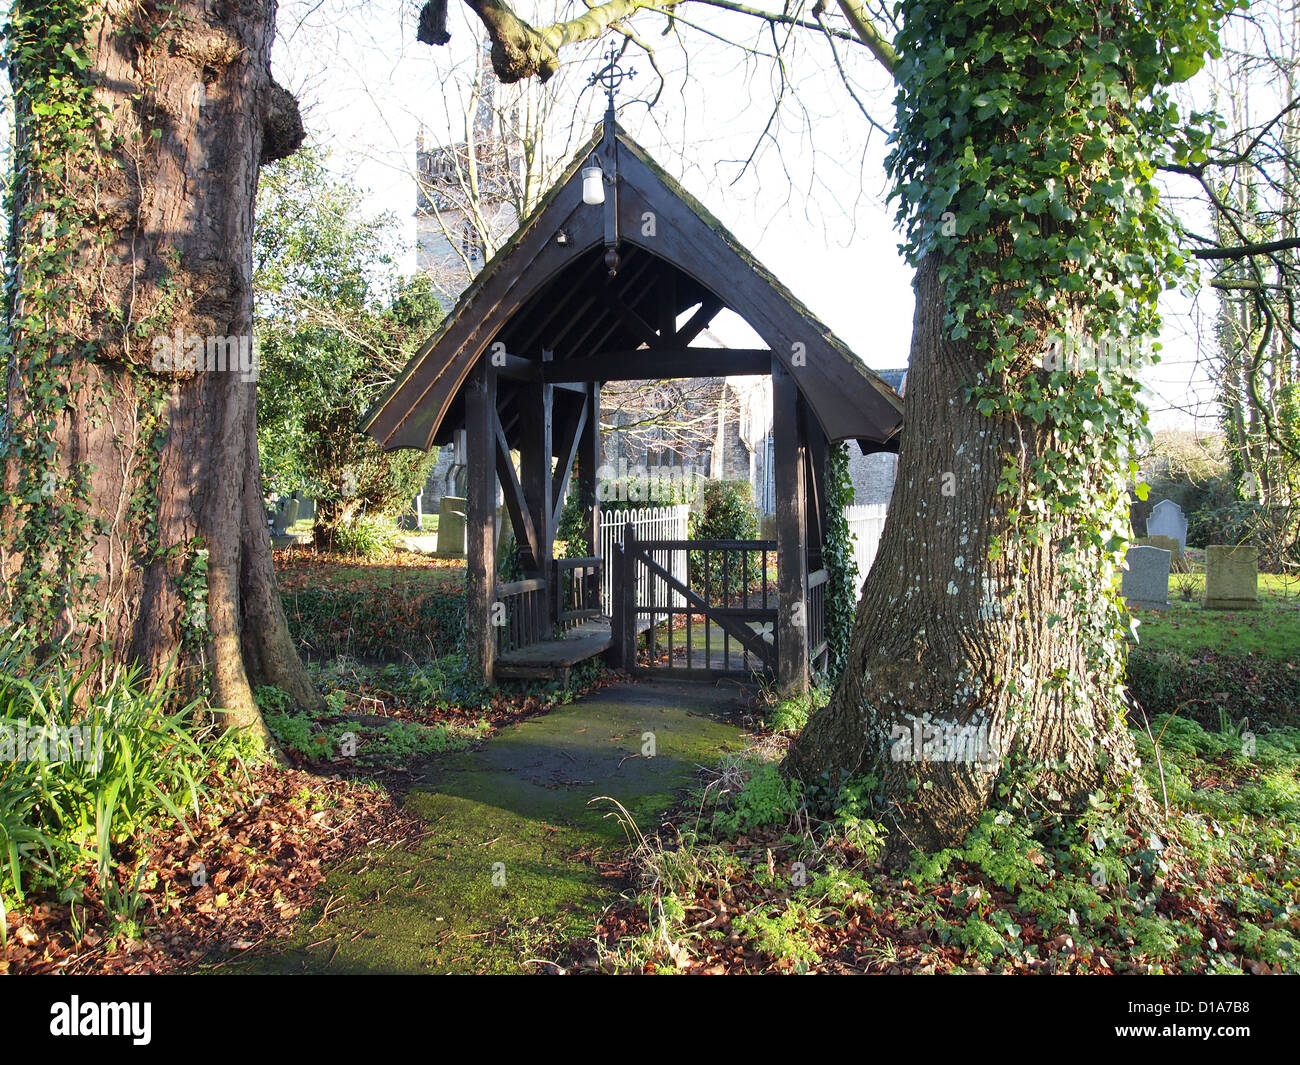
[90, 763]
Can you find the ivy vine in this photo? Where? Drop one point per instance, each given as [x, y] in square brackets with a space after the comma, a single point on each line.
[59, 133]
[841, 601]
[57, 326]
[1026, 146]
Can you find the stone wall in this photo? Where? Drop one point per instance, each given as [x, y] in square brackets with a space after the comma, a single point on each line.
[873, 476]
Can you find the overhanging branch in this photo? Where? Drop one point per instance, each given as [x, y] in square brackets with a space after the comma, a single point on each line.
[870, 35]
[521, 50]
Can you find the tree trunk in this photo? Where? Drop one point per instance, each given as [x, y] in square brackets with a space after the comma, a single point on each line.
[959, 666]
[151, 546]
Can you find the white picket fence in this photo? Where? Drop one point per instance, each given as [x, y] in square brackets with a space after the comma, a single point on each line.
[866, 522]
[649, 523]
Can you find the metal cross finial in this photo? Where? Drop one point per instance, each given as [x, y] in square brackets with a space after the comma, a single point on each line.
[611, 75]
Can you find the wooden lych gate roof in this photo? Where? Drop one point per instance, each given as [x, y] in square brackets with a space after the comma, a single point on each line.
[547, 299]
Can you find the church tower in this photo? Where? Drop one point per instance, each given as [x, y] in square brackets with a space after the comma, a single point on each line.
[467, 193]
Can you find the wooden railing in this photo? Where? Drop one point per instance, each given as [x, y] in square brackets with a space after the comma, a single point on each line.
[734, 573]
[527, 615]
[577, 590]
[816, 615]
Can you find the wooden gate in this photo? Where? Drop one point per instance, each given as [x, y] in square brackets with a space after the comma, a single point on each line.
[720, 620]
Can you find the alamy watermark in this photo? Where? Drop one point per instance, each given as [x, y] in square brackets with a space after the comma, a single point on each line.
[1066, 351]
[185, 353]
[621, 483]
[922, 740]
[133, 1020]
[22, 742]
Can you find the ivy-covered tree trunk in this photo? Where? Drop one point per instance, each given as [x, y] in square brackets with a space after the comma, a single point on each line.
[968, 657]
[133, 523]
[987, 661]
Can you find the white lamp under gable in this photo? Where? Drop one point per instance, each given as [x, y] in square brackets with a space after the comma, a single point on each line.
[593, 185]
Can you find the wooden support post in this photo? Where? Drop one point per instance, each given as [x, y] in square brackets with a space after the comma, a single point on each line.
[480, 519]
[614, 656]
[791, 535]
[818, 466]
[588, 462]
[627, 600]
[535, 453]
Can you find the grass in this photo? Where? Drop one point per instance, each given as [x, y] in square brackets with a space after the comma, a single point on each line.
[1186, 627]
[381, 716]
[404, 607]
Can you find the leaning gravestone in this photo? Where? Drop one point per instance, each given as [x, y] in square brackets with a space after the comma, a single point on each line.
[1231, 578]
[451, 527]
[1167, 519]
[1145, 583]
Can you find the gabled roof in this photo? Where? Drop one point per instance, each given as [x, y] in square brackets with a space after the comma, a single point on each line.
[548, 290]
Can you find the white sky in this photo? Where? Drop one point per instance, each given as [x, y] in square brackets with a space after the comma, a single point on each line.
[811, 206]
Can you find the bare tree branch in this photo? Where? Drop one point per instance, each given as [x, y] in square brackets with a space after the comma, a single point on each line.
[521, 50]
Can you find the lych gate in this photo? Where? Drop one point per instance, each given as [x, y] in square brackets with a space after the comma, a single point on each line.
[616, 286]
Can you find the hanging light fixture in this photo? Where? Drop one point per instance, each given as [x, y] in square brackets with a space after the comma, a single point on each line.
[593, 185]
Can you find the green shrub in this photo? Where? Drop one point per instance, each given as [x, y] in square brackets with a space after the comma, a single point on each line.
[1271, 529]
[369, 536]
[724, 511]
[1203, 688]
[768, 799]
[574, 527]
[791, 715]
[781, 933]
[416, 620]
[1231, 523]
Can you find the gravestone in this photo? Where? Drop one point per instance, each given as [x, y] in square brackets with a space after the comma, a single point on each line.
[1145, 584]
[409, 519]
[285, 516]
[451, 527]
[1139, 510]
[767, 527]
[1178, 563]
[1231, 578]
[1167, 519]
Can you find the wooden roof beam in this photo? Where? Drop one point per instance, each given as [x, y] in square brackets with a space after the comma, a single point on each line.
[653, 364]
[700, 320]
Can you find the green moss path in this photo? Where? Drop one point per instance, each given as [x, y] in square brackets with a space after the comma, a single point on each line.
[513, 853]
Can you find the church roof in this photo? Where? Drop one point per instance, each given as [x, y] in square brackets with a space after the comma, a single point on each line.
[546, 297]
[896, 379]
